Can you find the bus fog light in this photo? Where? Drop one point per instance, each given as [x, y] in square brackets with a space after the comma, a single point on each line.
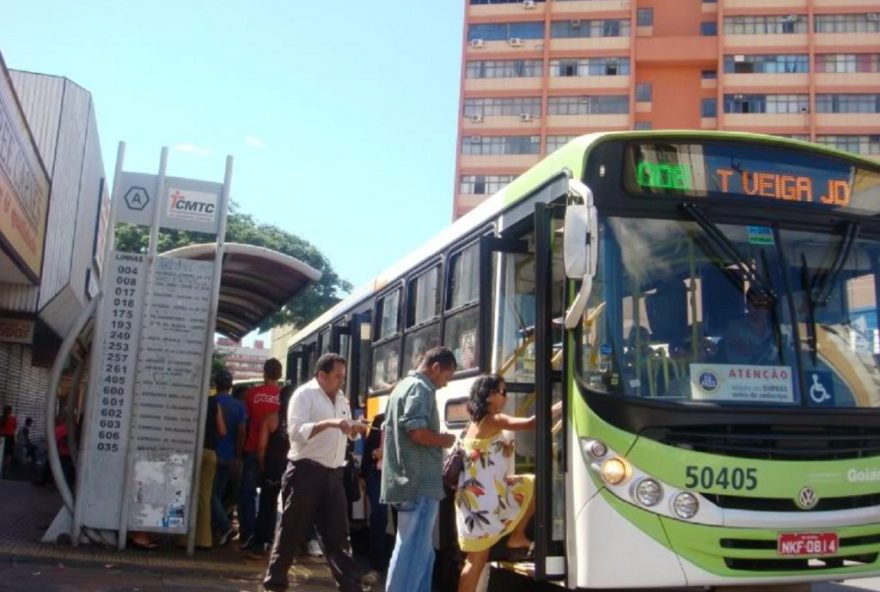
[685, 505]
[614, 471]
[594, 448]
[648, 492]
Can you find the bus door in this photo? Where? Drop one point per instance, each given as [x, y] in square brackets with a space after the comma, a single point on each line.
[523, 336]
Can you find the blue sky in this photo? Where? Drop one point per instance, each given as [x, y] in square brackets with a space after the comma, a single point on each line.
[341, 115]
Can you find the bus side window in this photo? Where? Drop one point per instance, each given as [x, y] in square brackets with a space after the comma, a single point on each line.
[386, 344]
[462, 306]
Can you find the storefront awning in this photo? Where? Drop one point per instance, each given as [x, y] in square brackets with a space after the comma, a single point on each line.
[256, 282]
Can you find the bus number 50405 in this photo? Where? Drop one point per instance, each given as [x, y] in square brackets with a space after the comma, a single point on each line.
[725, 478]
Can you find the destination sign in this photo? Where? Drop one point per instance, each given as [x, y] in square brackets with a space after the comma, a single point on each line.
[752, 171]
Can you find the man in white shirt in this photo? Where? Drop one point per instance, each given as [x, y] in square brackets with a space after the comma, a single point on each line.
[319, 425]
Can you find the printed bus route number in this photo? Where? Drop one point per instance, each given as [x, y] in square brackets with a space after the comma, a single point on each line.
[115, 356]
[725, 478]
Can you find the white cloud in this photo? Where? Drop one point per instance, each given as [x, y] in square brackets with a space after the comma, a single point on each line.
[254, 142]
[193, 149]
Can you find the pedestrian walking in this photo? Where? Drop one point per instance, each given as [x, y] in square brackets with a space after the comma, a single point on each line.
[229, 447]
[319, 425]
[411, 469]
[215, 428]
[8, 425]
[259, 402]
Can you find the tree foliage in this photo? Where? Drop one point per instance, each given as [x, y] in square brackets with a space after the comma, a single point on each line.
[242, 228]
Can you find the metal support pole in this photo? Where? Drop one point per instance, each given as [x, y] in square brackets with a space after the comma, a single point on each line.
[151, 270]
[208, 355]
[88, 428]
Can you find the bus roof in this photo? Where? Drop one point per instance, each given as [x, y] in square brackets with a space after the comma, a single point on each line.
[571, 157]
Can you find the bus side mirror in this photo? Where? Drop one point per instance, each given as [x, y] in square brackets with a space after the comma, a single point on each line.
[580, 247]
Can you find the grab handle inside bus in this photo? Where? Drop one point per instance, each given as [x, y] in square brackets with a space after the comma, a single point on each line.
[580, 246]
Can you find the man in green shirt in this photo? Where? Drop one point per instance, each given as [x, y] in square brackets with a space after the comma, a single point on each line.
[411, 469]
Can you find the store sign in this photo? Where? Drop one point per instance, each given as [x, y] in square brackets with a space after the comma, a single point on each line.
[16, 330]
[741, 383]
[24, 187]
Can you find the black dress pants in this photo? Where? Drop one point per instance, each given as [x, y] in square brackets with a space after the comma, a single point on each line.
[313, 493]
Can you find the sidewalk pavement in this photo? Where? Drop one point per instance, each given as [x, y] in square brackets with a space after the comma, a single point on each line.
[29, 510]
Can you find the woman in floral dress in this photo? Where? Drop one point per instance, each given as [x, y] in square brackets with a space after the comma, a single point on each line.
[490, 501]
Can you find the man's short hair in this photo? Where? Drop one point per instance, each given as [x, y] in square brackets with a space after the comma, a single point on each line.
[439, 355]
[223, 381]
[327, 361]
[272, 369]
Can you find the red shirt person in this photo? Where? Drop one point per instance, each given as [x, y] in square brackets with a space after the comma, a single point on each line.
[8, 426]
[259, 401]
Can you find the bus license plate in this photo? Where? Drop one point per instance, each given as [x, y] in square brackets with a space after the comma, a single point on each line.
[807, 543]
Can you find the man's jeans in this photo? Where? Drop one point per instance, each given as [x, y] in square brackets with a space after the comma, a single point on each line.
[247, 500]
[412, 562]
[221, 480]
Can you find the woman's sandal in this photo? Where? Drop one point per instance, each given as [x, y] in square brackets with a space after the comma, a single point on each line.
[143, 545]
[521, 553]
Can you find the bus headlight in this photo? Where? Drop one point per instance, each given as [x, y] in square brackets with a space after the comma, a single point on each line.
[685, 505]
[614, 471]
[648, 492]
[594, 448]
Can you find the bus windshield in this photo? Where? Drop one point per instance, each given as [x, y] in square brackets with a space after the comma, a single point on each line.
[733, 314]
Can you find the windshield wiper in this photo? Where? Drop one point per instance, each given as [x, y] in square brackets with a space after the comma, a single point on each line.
[824, 284]
[760, 290]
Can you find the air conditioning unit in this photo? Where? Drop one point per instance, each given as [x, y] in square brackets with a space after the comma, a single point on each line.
[737, 97]
[515, 42]
[476, 118]
[477, 43]
[873, 16]
[525, 117]
[739, 58]
[805, 109]
[575, 23]
[529, 4]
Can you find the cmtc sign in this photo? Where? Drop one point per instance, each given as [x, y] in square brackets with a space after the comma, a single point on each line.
[24, 191]
[186, 204]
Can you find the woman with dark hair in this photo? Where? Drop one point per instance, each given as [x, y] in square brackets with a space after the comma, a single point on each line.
[491, 502]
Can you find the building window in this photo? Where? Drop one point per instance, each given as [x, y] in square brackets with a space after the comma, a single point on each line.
[765, 25]
[742, 103]
[483, 184]
[766, 64]
[858, 144]
[499, 1]
[848, 23]
[600, 105]
[506, 31]
[505, 69]
[709, 108]
[589, 67]
[501, 145]
[643, 125]
[645, 17]
[709, 29]
[554, 143]
[848, 62]
[589, 28]
[709, 74]
[643, 92]
[848, 103]
[511, 106]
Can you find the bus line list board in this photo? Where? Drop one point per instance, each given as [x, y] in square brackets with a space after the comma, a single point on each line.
[167, 394]
[111, 398]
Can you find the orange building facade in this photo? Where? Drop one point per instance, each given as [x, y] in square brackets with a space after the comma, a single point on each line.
[537, 73]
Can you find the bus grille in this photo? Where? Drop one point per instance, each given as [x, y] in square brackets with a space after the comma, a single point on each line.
[775, 504]
[773, 442]
[796, 563]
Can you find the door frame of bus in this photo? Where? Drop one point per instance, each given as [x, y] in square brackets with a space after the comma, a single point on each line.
[545, 551]
[549, 557]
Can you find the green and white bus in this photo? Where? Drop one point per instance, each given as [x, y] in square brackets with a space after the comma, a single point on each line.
[705, 304]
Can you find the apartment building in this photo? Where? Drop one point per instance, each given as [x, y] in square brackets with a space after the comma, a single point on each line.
[536, 73]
